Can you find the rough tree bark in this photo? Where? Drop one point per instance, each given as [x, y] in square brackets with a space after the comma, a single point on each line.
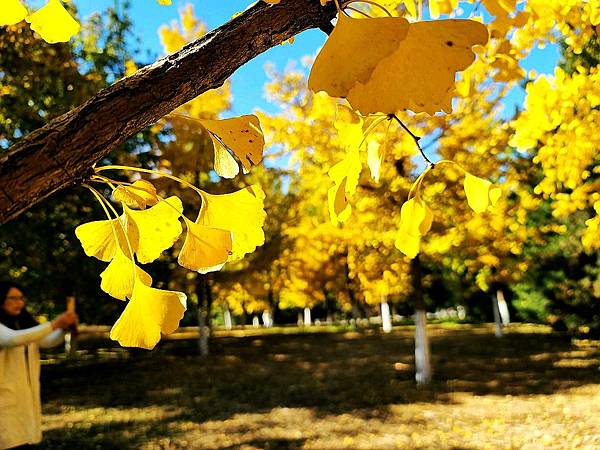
[63, 152]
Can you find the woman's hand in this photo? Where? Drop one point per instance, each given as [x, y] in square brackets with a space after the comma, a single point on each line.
[65, 320]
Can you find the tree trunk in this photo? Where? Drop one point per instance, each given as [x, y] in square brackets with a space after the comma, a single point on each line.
[203, 315]
[423, 369]
[503, 308]
[62, 153]
[497, 322]
[386, 320]
[307, 317]
[227, 319]
[71, 335]
[267, 319]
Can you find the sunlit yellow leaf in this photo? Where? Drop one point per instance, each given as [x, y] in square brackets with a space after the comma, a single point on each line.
[339, 208]
[375, 155]
[349, 168]
[480, 193]
[12, 12]
[437, 7]
[150, 313]
[409, 245]
[205, 249]
[153, 230]
[241, 212]
[241, 135]
[415, 221]
[118, 277]
[427, 220]
[353, 50]
[140, 194]
[419, 75]
[98, 238]
[225, 165]
[495, 194]
[53, 22]
[164, 2]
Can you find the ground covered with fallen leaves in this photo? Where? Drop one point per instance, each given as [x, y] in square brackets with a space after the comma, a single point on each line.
[334, 390]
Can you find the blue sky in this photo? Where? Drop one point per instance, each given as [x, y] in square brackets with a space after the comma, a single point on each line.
[248, 81]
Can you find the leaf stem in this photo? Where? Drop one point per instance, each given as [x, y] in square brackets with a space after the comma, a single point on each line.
[372, 3]
[414, 136]
[154, 172]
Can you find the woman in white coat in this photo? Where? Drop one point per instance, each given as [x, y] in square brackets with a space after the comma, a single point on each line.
[20, 339]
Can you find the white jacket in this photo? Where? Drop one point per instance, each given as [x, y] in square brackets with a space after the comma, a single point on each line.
[20, 406]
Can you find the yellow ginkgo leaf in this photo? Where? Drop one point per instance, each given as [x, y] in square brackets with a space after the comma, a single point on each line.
[348, 168]
[415, 222]
[495, 194]
[409, 245]
[205, 249]
[339, 208]
[12, 12]
[241, 212]
[419, 75]
[118, 277]
[139, 195]
[349, 126]
[53, 22]
[427, 221]
[480, 193]
[375, 156]
[150, 313]
[437, 7]
[225, 165]
[241, 135]
[153, 230]
[98, 238]
[353, 50]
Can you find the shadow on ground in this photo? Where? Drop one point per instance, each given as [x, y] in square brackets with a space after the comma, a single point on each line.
[360, 374]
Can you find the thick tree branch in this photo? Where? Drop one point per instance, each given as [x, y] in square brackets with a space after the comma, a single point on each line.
[63, 152]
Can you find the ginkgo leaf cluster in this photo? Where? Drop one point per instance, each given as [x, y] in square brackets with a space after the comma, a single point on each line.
[227, 227]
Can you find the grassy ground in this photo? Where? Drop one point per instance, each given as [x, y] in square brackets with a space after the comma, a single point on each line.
[331, 391]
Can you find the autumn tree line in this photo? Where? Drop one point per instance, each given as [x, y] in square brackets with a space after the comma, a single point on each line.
[538, 246]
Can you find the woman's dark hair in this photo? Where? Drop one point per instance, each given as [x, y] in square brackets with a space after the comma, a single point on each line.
[24, 319]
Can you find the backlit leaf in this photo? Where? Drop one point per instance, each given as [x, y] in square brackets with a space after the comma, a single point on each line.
[53, 22]
[98, 238]
[480, 193]
[150, 313]
[118, 277]
[339, 208]
[241, 212]
[205, 249]
[140, 194]
[353, 50]
[241, 135]
[415, 222]
[419, 75]
[12, 12]
[153, 230]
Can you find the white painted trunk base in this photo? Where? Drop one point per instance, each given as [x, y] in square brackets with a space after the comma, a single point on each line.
[503, 308]
[386, 318]
[227, 319]
[267, 319]
[307, 317]
[422, 355]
